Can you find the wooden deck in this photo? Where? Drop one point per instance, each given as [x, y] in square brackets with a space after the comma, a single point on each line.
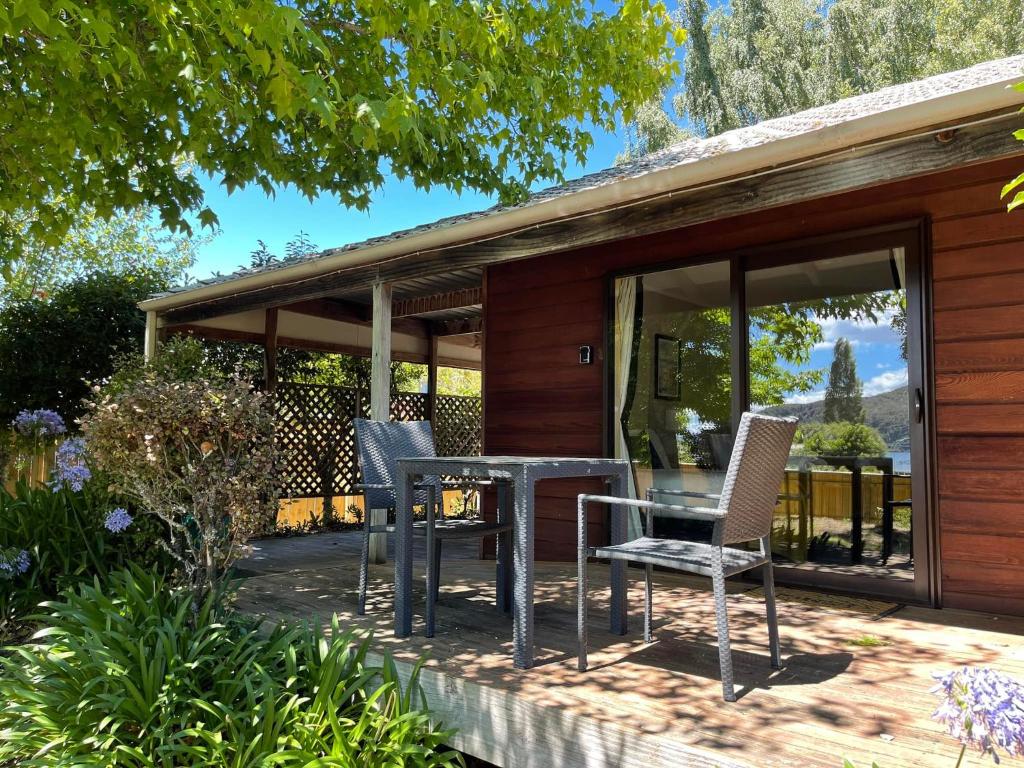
[855, 682]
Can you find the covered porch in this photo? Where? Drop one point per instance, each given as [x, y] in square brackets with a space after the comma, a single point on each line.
[854, 684]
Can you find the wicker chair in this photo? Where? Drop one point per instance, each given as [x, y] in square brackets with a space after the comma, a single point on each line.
[381, 444]
[743, 514]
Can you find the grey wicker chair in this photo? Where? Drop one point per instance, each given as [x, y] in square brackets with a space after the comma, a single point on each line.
[743, 514]
[380, 445]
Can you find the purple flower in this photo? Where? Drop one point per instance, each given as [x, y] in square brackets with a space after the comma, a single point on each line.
[39, 424]
[71, 470]
[117, 520]
[982, 708]
[14, 563]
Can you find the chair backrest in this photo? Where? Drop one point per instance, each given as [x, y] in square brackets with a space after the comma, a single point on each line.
[754, 477]
[381, 444]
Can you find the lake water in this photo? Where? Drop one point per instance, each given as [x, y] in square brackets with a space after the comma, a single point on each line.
[900, 461]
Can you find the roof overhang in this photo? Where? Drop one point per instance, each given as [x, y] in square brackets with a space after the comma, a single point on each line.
[995, 97]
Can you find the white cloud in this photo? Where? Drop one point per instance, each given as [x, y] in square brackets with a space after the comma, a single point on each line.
[806, 397]
[885, 382]
[863, 331]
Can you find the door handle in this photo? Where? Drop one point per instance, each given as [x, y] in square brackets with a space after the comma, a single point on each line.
[918, 405]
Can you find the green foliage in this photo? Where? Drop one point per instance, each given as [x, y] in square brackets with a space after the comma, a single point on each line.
[133, 673]
[841, 438]
[193, 449]
[66, 541]
[324, 95]
[752, 60]
[128, 242]
[844, 394]
[50, 347]
[1016, 186]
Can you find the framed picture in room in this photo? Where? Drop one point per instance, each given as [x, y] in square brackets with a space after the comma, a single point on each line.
[667, 362]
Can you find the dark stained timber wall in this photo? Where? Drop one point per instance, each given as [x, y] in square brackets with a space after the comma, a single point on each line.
[540, 400]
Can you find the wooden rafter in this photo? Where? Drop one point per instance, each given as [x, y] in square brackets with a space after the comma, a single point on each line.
[437, 302]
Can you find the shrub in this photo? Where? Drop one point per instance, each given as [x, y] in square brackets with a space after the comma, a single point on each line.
[127, 672]
[843, 438]
[193, 449]
[50, 345]
[64, 539]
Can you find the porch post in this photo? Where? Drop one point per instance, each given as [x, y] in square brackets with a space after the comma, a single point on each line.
[432, 383]
[270, 350]
[380, 396]
[149, 347]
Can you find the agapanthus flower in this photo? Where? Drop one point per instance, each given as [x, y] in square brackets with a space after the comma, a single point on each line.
[71, 470]
[14, 563]
[39, 423]
[982, 708]
[117, 520]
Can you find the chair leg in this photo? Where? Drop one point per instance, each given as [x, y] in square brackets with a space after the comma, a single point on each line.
[364, 566]
[724, 649]
[648, 604]
[773, 619]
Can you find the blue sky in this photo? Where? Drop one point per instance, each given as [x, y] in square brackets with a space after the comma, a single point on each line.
[248, 215]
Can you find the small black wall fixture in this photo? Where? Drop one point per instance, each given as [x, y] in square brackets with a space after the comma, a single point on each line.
[586, 354]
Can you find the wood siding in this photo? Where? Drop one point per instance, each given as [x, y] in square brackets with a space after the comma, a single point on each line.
[540, 400]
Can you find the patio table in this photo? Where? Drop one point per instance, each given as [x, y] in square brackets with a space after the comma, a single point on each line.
[523, 473]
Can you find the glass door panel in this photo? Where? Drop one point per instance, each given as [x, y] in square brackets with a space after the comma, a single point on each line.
[673, 378]
[829, 342]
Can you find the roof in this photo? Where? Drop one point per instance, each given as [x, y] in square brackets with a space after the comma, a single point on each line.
[889, 112]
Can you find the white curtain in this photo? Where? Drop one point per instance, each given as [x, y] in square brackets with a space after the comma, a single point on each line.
[625, 320]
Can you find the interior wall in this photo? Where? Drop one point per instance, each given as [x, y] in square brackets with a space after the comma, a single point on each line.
[540, 401]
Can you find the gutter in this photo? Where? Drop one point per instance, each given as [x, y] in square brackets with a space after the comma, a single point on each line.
[772, 154]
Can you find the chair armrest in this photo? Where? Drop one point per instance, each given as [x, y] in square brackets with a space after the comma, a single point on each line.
[469, 481]
[652, 492]
[675, 510]
[649, 507]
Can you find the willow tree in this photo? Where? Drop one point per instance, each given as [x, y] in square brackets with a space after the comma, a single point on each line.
[100, 100]
[753, 60]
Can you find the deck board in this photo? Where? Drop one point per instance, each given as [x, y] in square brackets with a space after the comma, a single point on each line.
[660, 704]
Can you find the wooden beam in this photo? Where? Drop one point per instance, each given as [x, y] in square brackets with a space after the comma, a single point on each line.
[856, 168]
[270, 351]
[380, 373]
[457, 327]
[356, 314]
[437, 302]
[152, 332]
[249, 337]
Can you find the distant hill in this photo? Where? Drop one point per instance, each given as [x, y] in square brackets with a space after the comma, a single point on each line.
[888, 412]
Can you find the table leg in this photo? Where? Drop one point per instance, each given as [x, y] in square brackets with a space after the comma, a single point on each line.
[403, 554]
[522, 558]
[619, 612]
[503, 553]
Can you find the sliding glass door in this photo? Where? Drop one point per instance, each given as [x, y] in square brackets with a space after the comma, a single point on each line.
[828, 331]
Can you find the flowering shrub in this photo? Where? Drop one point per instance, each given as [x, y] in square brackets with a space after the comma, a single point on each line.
[14, 562]
[39, 425]
[118, 520]
[197, 453]
[984, 709]
[51, 540]
[71, 470]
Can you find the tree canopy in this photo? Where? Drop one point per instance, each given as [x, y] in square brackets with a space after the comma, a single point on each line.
[129, 241]
[752, 60]
[101, 100]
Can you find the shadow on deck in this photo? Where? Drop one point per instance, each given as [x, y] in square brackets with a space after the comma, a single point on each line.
[659, 704]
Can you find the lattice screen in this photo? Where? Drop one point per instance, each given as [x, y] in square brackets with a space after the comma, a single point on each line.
[315, 431]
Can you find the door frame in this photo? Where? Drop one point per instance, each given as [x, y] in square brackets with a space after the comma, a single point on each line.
[914, 236]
